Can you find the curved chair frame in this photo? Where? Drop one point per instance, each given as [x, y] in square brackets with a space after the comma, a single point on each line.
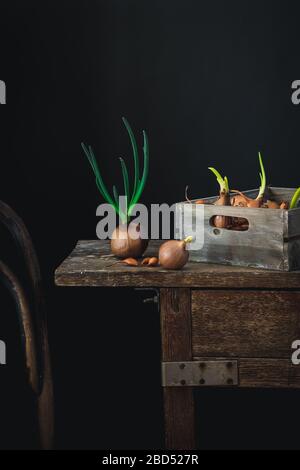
[33, 324]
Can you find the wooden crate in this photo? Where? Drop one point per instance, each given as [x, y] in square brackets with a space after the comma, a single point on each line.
[271, 242]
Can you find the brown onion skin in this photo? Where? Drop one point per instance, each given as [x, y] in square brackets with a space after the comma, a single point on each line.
[284, 205]
[127, 247]
[221, 221]
[254, 203]
[153, 261]
[173, 254]
[239, 221]
[130, 261]
[238, 201]
[273, 205]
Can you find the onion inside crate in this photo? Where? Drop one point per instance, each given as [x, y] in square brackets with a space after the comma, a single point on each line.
[237, 224]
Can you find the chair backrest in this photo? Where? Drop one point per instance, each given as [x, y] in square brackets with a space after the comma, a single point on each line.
[33, 322]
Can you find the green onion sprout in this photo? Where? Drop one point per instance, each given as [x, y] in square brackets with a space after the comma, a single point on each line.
[295, 199]
[263, 180]
[133, 197]
[223, 182]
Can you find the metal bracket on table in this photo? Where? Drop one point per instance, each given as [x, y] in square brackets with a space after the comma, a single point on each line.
[200, 374]
[154, 297]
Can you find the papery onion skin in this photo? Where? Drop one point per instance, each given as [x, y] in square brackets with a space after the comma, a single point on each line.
[239, 221]
[153, 261]
[254, 203]
[222, 221]
[124, 246]
[273, 205]
[173, 254]
[284, 205]
[130, 261]
[238, 201]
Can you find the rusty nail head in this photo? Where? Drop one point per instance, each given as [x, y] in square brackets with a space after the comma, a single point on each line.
[183, 382]
[202, 365]
[202, 381]
[182, 366]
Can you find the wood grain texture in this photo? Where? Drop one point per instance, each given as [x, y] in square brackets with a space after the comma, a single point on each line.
[90, 264]
[265, 373]
[294, 376]
[177, 346]
[26, 324]
[245, 324]
[37, 328]
[176, 324]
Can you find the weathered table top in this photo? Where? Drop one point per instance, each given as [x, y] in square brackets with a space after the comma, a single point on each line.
[91, 264]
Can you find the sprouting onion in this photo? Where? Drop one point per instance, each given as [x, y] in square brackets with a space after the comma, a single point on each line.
[223, 182]
[295, 199]
[222, 221]
[133, 197]
[258, 202]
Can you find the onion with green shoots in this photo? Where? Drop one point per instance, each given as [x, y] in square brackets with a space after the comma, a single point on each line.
[221, 221]
[258, 202]
[123, 244]
[242, 200]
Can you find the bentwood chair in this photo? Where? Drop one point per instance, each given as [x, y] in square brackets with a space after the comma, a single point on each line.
[30, 308]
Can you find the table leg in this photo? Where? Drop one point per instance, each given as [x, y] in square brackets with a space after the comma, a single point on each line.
[176, 328]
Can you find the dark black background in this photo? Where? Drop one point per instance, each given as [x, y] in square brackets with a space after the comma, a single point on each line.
[211, 84]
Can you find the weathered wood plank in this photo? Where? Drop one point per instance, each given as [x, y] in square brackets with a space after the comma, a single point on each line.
[265, 373]
[293, 223]
[40, 347]
[177, 346]
[245, 324]
[91, 264]
[280, 194]
[294, 376]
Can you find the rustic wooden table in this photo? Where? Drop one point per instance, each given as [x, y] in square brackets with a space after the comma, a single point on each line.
[221, 326]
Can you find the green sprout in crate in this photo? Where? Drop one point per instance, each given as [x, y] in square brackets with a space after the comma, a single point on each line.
[126, 240]
[243, 200]
[221, 221]
[240, 199]
[295, 199]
